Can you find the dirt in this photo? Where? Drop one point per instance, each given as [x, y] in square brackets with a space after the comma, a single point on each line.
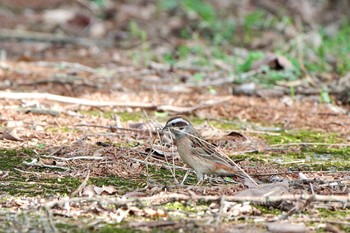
[274, 139]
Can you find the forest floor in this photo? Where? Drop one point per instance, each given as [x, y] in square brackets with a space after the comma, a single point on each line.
[81, 147]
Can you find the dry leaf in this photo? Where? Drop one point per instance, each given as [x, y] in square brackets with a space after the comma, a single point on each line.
[12, 135]
[109, 189]
[266, 190]
[4, 174]
[88, 191]
[279, 227]
[275, 62]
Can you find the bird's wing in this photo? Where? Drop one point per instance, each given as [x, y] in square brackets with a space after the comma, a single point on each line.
[207, 151]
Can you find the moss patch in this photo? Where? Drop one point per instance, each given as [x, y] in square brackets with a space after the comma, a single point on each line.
[298, 136]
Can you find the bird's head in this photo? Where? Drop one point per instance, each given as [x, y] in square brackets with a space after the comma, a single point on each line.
[179, 126]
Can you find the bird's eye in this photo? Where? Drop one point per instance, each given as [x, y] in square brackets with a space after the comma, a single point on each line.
[173, 124]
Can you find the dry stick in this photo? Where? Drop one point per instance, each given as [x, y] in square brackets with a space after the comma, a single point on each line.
[154, 164]
[8, 34]
[72, 158]
[221, 210]
[35, 164]
[75, 66]
[194, 197]
[51, 225]
[72, 100]
[82, 185]
[118, 128]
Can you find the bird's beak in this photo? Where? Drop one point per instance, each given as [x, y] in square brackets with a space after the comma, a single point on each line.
[165, 128]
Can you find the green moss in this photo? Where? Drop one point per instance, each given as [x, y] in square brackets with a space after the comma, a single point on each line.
[325, 166]
[298, 136]
[97, 112]
[328, 152]
[122, 185]
[326, 213]
[176, 205]
[130, 116]
[268, 210]
[116, 229]
[63, 129]
[33, 186]
[11, 159]
[126, 144]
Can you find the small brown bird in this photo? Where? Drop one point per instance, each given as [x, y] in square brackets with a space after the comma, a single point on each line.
[197, 153]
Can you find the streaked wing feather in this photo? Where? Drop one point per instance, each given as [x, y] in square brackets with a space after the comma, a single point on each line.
[207, 150]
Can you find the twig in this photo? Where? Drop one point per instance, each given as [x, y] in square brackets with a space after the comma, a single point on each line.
[82, 185]
[221, 210]
[35, 164]
[207, 198]
[71, 65]
[113, 128]
[8, 34]
[72, 158]
[41, 111]
[157, 164]
[72, 100]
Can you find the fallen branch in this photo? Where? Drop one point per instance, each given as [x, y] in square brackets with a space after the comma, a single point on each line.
[72, 100]
[21, 35]
[193, 197]
[82, 185]
[70, 65]
[113, 129]
[72, 158]
[35, 163]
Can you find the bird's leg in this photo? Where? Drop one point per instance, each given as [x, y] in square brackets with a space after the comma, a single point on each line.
[185, 177]
[200, 178]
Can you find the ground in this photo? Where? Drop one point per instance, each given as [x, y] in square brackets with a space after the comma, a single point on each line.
[98, 161]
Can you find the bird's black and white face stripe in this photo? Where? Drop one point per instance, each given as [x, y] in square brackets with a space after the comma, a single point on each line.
[178, 126]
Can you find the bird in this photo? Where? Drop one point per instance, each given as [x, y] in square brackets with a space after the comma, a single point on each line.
[197, 153]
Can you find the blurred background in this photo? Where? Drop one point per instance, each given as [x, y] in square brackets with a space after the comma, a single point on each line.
[264, 48]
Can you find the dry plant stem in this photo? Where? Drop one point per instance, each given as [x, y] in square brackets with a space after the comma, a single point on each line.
[193, 197]
[72, 158]
[221, 210]
[8, 34]
[122, 129]
[72, 100]
[82, 185]
[296, 208]
[50, 227]
[75, 66]
[35, 164]
[155, 164]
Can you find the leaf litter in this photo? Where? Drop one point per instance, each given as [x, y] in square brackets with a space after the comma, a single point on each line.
[80, 162]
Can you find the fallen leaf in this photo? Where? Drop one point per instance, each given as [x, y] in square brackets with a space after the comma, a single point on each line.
[280, 227]
[88, 191]
[273, 61]
[266, 190]
[12, 135]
